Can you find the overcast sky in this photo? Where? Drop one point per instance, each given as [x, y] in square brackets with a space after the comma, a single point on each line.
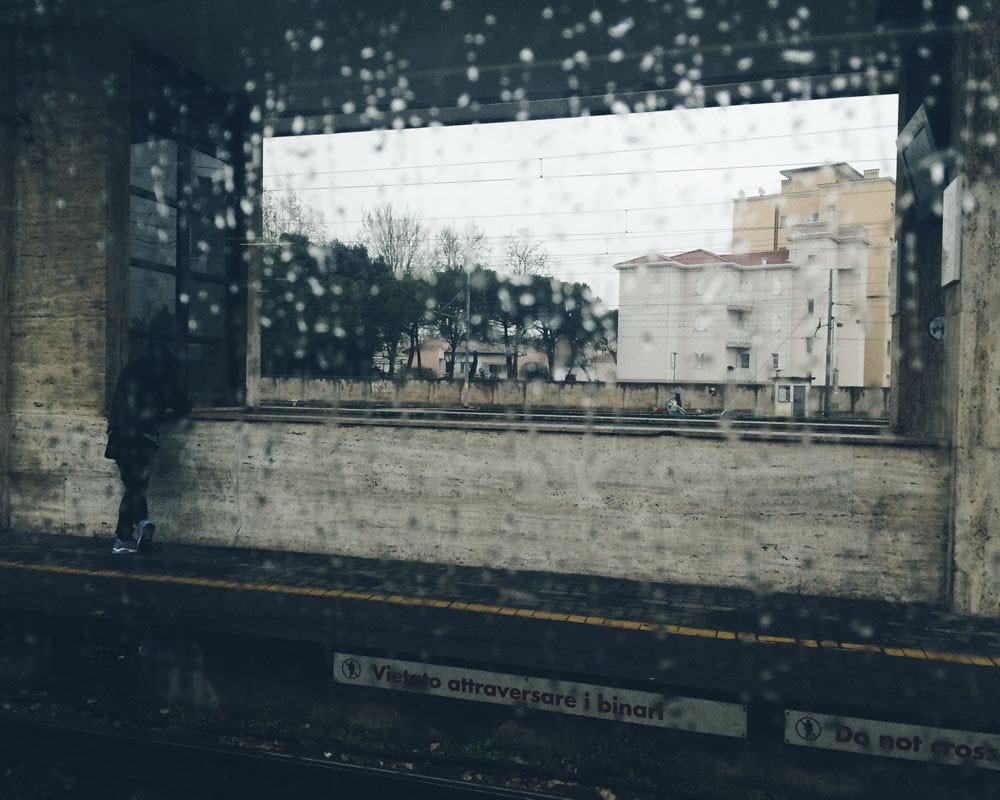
[594, 190]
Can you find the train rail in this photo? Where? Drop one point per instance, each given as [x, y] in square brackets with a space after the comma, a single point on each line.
[713, 426]
[153, 760]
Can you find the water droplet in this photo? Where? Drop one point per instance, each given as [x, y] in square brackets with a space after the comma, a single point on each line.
[618, 30]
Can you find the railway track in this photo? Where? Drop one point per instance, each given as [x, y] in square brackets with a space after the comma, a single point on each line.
[600, 423]
[152, 760]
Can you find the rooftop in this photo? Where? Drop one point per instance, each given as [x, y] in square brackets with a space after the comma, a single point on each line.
[700, 257]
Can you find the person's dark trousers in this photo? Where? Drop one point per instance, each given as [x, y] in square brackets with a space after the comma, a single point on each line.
[135, 463]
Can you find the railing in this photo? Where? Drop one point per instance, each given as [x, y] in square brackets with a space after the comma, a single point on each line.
[739, 303]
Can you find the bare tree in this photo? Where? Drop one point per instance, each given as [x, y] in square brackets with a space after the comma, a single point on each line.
[454, 247]
[284, 212]
[523, 255]
[397, 236]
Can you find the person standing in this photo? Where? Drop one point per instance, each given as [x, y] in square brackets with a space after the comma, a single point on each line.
[148, 392]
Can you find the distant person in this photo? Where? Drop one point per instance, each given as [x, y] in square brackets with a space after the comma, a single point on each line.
[148, 392]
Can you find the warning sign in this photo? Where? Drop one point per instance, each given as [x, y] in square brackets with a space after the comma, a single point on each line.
[582, 699]
[892, 739]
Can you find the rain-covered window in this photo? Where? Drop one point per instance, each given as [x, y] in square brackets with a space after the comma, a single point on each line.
[186, 275]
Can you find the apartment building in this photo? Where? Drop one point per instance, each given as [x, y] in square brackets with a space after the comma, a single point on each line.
[751, 317]
[835, 194]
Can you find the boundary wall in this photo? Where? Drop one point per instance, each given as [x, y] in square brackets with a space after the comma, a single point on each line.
[740, 398]
[822, 519]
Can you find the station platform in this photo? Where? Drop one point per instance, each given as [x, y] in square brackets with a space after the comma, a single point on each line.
[910, 663]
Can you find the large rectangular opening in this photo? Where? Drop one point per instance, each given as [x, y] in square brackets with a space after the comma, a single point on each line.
[692, 247]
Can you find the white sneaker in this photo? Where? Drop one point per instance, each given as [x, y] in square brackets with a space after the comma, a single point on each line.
[145, 531]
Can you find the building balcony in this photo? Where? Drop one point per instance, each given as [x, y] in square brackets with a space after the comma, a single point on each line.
[738, 340]
[739, 303]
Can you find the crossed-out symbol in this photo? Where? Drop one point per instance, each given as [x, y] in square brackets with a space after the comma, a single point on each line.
[809, 729]
[351, 669]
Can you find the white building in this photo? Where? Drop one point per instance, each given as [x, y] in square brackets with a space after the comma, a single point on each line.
[761, 317]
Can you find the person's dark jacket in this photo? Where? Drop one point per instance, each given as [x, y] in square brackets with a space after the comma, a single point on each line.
[149, 391]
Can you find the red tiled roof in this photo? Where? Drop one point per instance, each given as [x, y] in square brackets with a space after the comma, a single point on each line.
[692, 258]
[652, 258]
[695, 257]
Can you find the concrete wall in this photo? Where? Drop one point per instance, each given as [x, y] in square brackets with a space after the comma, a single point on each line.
[63, 229]
[819, 519]
[68, 277]
[8, 218]
[972, 334]
[871, 402]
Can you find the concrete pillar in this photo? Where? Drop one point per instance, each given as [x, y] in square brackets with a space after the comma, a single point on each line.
[65, 267]
[68, 300]
[918, 403]
[8, 115]
[253, 260]
[973, 330]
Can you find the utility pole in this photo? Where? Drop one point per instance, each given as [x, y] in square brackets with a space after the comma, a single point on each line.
[468, 331]
[829, 348]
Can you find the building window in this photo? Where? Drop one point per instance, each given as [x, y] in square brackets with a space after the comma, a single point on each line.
[702, 360]
[775, 361]
[784, 394]
[831, 213]
[745, 360]
[782, 221]
[812, 216]
[809, 344]
[185, 284]
[888, 348]
[810, 306]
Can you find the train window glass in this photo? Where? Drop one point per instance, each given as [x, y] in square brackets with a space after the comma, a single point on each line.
[487, 317]
[187, 282]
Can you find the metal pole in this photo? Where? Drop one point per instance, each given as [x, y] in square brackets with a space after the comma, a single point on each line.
[829, 347]
[468, 332]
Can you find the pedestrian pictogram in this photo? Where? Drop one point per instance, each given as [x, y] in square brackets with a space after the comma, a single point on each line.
[351, 669]
[809, 729]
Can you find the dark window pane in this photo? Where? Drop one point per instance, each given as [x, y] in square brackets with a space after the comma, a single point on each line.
[206, 308]
[151, 301]
[208, 245]
[154, 167]
[211, 182]
[152, 231]
[207, 373]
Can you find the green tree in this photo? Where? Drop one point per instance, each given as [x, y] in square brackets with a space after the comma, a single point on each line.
[447, 289]
[399, 309]
[319, 312]
[606, 335]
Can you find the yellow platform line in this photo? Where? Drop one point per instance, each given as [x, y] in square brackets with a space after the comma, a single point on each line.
[509, 611]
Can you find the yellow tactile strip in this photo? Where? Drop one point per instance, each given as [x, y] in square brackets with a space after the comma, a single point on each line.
[480, 608]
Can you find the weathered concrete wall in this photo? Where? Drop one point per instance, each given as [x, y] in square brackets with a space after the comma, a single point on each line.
[71, 181]
[973, 334]
[739, 398]
[8, 218]
[819, 519]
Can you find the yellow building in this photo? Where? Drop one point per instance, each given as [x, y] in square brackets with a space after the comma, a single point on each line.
[837, 194]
